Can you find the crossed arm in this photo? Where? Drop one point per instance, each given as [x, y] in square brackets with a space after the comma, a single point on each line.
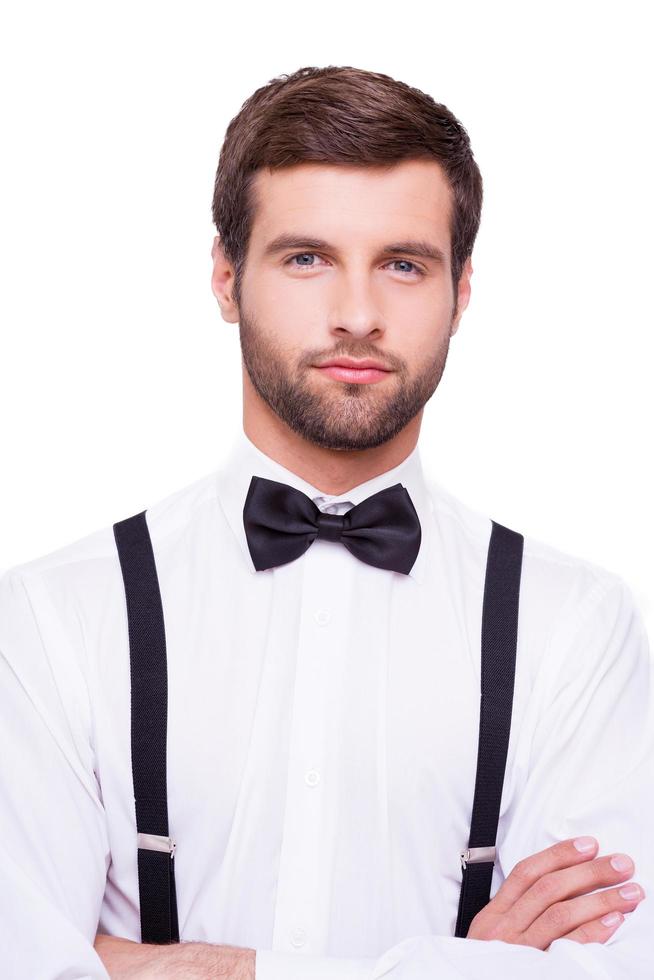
[548, 896]
[127, 960]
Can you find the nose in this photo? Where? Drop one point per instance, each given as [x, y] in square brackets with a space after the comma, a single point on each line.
[354, 309]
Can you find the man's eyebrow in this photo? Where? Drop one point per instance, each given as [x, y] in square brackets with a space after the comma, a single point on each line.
[411, 246]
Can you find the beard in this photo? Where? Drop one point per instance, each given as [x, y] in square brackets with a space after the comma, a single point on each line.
[337, 414]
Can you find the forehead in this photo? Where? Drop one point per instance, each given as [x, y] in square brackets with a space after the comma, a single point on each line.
[409, 199]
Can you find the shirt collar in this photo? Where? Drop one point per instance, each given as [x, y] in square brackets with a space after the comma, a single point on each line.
[245, 460]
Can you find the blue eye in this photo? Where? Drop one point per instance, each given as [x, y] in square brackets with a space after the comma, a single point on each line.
[301, 255]
[310, 265]
[406, 262]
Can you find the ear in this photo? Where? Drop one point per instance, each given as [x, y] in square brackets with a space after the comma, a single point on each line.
[222, 282]
[463, 295]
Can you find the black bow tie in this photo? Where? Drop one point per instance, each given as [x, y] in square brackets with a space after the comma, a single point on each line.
[282, 522]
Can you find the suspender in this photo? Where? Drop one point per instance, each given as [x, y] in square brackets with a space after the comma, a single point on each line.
[149, 708]
[149, 679]
[499, 637]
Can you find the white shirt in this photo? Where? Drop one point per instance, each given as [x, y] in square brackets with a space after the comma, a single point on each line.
[322, 742]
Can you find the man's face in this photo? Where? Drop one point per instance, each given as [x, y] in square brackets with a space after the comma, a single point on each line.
[358, 294]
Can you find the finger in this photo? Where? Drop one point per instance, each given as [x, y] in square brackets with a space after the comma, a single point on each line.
[597, 931]
[557, 887]
[563, 917]
[563, 854]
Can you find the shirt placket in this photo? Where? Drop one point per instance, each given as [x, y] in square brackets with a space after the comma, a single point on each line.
[306, 859]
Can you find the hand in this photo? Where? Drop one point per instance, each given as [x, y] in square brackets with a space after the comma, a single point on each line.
[548, 896]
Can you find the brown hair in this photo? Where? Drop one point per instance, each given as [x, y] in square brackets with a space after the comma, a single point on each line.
[341, 115]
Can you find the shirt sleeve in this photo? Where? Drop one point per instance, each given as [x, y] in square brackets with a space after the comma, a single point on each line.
[591, 768]
[53, 847]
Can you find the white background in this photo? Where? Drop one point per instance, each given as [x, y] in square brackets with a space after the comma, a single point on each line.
[119, 381]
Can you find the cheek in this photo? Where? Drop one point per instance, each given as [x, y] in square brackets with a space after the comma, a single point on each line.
[423, 344]
[288, 311]
[427, 303]
[282, 331]
[274, 288]
[419, 329]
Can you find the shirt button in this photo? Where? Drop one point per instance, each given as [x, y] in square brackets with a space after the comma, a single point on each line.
[298, 936]
[322, 617]
[312, 778]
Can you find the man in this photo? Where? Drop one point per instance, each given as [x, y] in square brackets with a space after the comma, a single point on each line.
[281, 663]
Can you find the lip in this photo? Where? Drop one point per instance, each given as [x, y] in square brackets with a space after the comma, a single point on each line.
[340, 372]
[352, 364]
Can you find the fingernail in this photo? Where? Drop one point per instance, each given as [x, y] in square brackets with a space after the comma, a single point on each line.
[611, 919]
[621, 862]
[585, 844]
[630, 891]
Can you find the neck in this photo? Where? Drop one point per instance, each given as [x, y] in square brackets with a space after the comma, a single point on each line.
[332, 471]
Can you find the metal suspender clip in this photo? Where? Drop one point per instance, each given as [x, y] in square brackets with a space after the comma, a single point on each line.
[153, 842]
[475, 855]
